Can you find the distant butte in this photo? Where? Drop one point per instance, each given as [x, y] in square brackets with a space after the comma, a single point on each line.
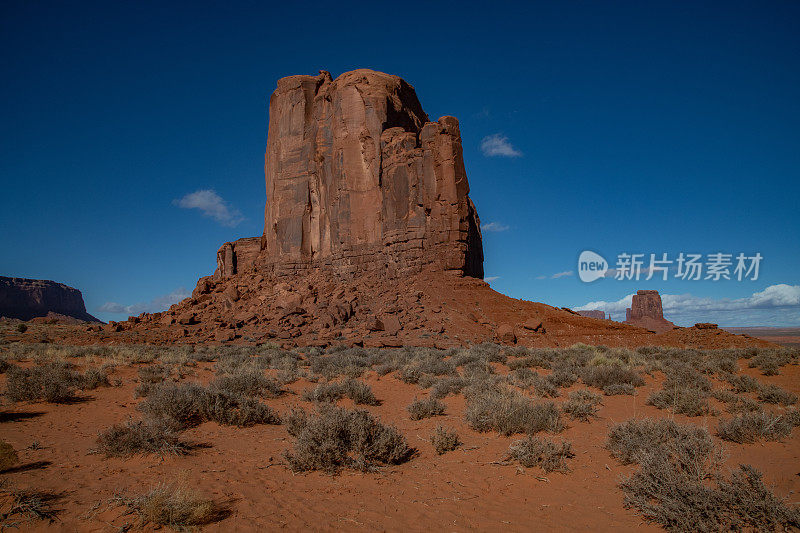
[26, 299]
[646, 311]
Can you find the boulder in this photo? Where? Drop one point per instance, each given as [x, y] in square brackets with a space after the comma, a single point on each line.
[505, 334]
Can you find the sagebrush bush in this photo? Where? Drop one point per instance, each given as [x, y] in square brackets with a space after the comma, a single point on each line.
[247, 383]
[689, 402]
[358, 391]
[609, 376]
[141, 437]
[618, 389]
[742, 383]
[335, 438]
[582, 404]
[776, 395]
[544, 453]
[448, 385]
[444, 440]
[628, 440]
[426, 408]
[509, 412]
[752, 427]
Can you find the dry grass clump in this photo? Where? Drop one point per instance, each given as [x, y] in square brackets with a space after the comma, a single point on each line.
[685, 391]
[53, 382]
[776, 395]
[143, 436]
[335, 438]
[27, 505]
[358, 391]
[8, 456]
[752, 427]
[448, 385]
[174, 505]
[679, 484]
[419, 409]
[510, 412]
[536, 451]
[742, 383]
[770, 361]
[582, 404]
[736, 403]
[444, 440]
[348, 362]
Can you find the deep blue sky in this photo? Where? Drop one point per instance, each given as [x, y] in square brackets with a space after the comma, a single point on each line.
[642, 127]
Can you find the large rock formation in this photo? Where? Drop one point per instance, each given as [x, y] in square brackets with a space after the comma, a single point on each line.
[647, 312]
[359, 180]
[30, 298]
[593, 313]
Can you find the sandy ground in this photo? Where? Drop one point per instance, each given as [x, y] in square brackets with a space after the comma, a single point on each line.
[467, 489]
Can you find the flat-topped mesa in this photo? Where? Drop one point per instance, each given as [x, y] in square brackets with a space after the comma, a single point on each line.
[25, 299]
[359, 180]
[646, 311]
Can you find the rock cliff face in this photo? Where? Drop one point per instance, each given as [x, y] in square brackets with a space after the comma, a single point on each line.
[30, 298]
[647, 312]
[359, 180]
[593, 314]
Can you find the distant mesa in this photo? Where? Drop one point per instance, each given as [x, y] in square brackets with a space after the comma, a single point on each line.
[593, 314]
[647, 312]
[27, 299]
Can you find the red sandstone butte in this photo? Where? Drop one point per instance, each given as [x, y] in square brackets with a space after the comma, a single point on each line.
[370, 238]
[646, 312]
[593, 314]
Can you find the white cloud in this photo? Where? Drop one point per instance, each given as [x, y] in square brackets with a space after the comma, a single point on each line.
[775, 305]
[498, 145]
[494, 226]
[156, 304]
[541, 277]
[562, 274]
[212, 205]
[491, 278]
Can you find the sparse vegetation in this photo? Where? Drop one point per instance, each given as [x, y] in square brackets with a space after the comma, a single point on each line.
[27, 505]
[619, 389]
[335, 438]
[419, 409]
[544, 453]
[444, 440]
[776, 395]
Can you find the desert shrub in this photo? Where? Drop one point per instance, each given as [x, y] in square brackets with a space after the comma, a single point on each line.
[174, 505]
[681, 376]
[582, 404]
[742, 383]
[608, 375]
[448, 385]
[689, 402]
[509, 412]
[52, 383]
[562, 377]
[770, 361]
[419, 409]
[358, 391]
[143, 436]
[616, 389]
[334, 438]
[752, 427]
[189, 404]
[667, 489]
[444, 440]
[536, 451]
[629, 440]
[8, 456]
[477, 370]
[719, 362]
[154, 373]
[736, 403]
[247, 383]
[540, 358]
[348, 362]
[776, 395]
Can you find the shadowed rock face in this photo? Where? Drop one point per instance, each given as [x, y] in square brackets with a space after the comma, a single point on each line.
[646, 311]
[30, 298]
[359, 180]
